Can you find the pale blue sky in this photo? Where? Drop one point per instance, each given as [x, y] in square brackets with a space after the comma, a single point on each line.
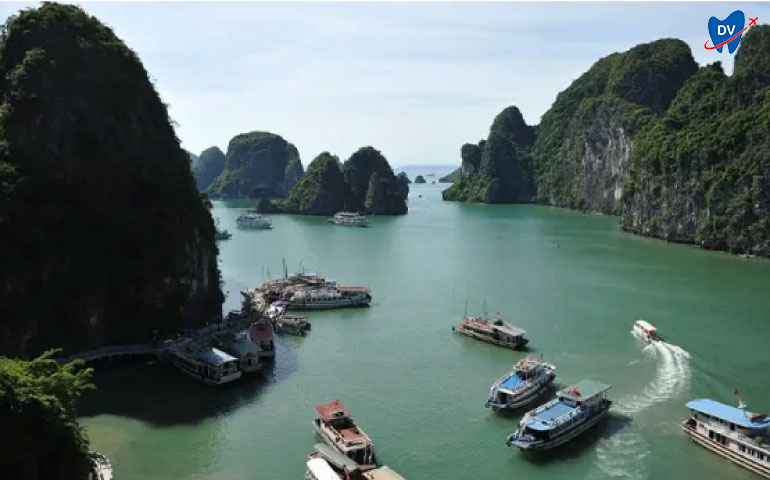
[414, 80]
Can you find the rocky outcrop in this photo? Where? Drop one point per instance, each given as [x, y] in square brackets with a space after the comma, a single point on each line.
[582, 149]
[701, 173]
[210, 164]
[105, 237]
[359, 170]
[419, 179]
[322, 190]
[499, 169]
[258, 164]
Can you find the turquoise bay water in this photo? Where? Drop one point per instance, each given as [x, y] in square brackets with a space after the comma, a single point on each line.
[574, 282]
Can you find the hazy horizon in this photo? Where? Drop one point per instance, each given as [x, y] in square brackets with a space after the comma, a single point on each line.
[415, 80]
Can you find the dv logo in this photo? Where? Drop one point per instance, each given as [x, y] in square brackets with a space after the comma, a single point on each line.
[728, 31]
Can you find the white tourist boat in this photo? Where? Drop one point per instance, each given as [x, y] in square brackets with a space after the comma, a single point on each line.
[574, 410]
[202, 362]
[349, 219]
[337, 429]
[732, 432]
[528, 379]
[329, 297]
[318, 469]
[239, 345]
[253, 220]
[645, 331]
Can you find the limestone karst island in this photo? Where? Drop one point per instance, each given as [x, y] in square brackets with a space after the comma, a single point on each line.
[384, 241]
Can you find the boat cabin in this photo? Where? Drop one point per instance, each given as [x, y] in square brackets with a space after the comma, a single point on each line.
[646, 329]
[337, 426]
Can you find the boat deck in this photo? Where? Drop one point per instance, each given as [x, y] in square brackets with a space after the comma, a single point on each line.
[352, 435]
[511, 382]
[551, 414]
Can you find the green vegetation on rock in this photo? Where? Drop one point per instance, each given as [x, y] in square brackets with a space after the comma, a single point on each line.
[258, 164]
[359, 170]
[677, 151]
[322, 190]
[499, 169]
[41, 438]
[210, 164]
[453, 177]
[701, 172]
[105, 237]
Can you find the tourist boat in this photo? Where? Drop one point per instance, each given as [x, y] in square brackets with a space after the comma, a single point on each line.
[261, 333]
[494, 331]
[574, 410]
[292, 324]
[732, 432]
[336, 427]
[328, 297]
[239, 345]
[203, 362]
[645, 331]
[101, 468]
[253, 220]
[528, 379]
[318, 469]
[349, 219]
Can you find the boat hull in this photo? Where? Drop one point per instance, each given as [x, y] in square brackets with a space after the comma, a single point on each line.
[722, 451]
[562, 439]
[328, 305]
[485, 338]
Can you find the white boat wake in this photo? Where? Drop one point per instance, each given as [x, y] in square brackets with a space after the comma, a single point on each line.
[623, 455]
[672, 377]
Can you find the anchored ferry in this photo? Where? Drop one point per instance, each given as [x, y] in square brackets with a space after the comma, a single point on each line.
[349, 219]
[574, 410]
[336, 427]
[253, 220]
[494, 331]
[330, 297]
[529, 378]
[740, 436]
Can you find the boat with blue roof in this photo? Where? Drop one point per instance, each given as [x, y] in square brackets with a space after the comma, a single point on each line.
[732, 432]
[574, 410]
[528, 379]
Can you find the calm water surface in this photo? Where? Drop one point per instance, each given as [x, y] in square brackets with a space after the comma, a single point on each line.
[574, 282]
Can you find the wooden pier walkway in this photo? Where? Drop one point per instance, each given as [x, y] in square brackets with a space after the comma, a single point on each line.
[112, 352]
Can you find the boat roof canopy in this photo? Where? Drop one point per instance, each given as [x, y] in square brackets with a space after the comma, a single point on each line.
[321, 470]
[332, 410]
[731, 414]
[216, 357]
[382, 473]
[335, 458]
[583, 390]
[646, 325]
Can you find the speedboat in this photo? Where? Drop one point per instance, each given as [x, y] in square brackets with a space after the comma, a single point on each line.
[645, 331]
[574, 410]
[528, 379]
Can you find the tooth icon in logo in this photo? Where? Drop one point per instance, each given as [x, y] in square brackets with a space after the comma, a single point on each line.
[723, 30]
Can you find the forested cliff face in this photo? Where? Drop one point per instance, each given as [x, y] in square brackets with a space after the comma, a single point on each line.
[701, 172]
[210, 164]
[364, 183]
[105, 237]
[258, 164]
[677, 151]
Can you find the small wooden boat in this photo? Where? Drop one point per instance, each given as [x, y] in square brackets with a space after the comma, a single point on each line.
[494, 331]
